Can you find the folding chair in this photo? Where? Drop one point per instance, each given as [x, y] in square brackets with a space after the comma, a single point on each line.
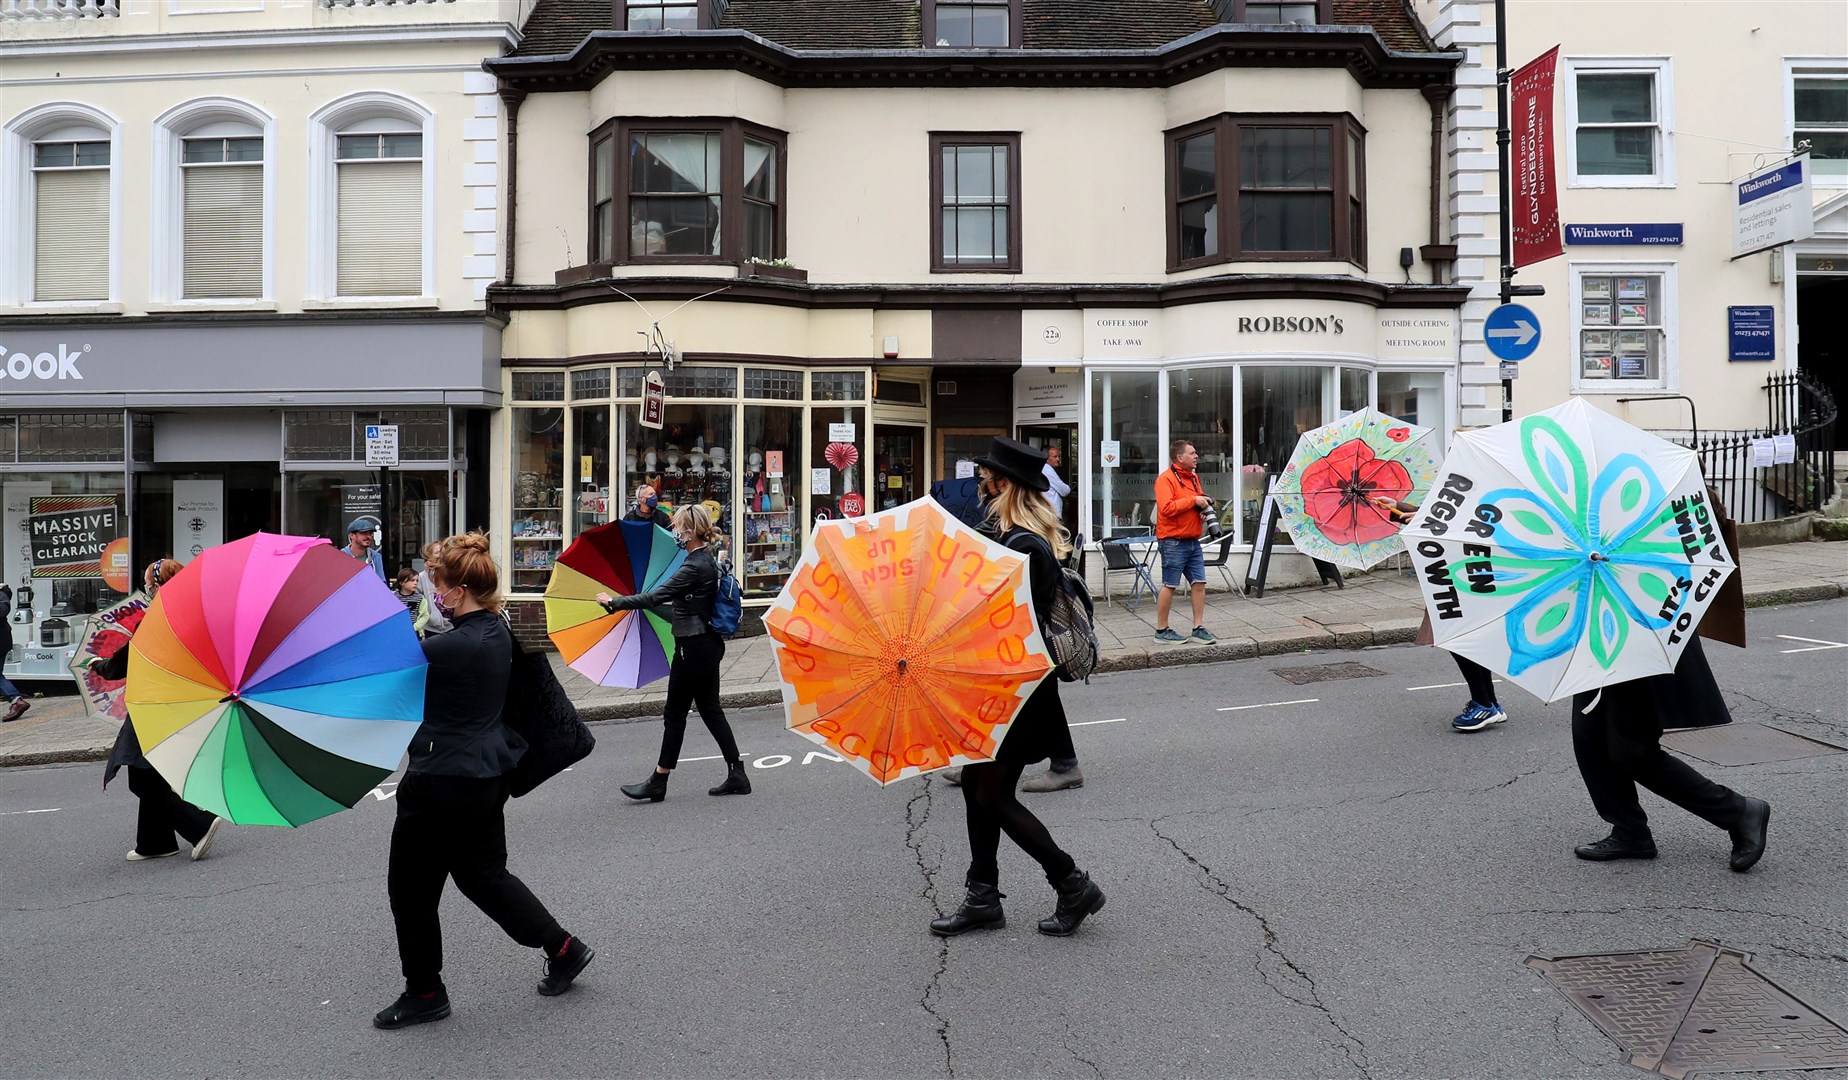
[1220, 561]
[1118, 558]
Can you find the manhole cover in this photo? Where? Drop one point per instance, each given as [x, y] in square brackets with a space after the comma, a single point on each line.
[1701, 1009]
[1746, 744]
[1325, 672]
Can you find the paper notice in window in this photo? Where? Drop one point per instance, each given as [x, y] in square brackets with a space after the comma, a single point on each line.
[1110, 453]
[965, 469]
[1786, 449]
[1763, 453]
[773, 463]
[821, 481]
[840, 433]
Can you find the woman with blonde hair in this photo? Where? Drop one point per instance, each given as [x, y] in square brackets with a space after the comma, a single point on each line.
[452, 799]
[163, 813]
[1027, 525]
[689, 593]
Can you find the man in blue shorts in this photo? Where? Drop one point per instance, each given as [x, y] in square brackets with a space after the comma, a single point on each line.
[1178, 527]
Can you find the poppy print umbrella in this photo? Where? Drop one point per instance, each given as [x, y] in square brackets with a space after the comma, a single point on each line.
[906, 641]
[104, 635]
[1568, 551]
[1325, 493]
[622, 558]
[275, 680]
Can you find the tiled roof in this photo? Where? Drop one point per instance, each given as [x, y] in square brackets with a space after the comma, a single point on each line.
[556, 27]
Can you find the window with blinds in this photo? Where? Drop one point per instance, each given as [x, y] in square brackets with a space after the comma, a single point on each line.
[70, 221]
[380, 181]
[223, 217]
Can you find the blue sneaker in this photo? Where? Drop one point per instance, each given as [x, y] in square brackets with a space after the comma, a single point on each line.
[1168, 634]
[1478, 716]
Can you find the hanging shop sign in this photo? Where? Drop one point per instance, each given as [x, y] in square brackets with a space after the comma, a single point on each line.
[69, 534]
[654, 401]
[1772, 207]
[1533, 179]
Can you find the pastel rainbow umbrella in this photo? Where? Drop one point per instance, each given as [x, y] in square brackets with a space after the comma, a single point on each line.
[275, 680]
[622, 558]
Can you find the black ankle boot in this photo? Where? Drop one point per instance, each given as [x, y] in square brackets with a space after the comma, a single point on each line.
[653, 789]
[1078, 896]
[980, 910]
[735, 782]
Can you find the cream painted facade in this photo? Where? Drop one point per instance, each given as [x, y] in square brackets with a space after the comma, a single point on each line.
[1040, 347]
[1723, 73]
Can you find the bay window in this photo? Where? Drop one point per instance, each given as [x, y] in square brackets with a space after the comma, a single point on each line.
[1266, 188]
[691, 190]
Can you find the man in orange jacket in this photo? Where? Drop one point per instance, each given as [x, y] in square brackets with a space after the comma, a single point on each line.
[1178, 527]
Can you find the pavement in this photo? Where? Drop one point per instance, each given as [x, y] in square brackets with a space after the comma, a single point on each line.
[1380, 607]
[1305, 881]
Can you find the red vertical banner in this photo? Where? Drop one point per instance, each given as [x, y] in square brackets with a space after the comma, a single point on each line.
[1534, 182]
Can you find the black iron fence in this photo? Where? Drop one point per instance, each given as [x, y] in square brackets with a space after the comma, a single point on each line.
[1788, 466]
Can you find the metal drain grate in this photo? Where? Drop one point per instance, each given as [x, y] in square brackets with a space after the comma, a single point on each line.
[1701, 1009]
[1324, 672]
[1746, 744]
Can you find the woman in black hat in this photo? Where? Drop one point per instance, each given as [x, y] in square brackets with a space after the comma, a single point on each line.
[1026, 524]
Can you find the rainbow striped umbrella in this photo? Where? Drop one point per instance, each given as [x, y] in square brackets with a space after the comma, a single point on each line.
[629, 648]
[275, 680]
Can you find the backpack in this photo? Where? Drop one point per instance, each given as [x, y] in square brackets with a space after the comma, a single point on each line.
[727, 603]
[1067, 627]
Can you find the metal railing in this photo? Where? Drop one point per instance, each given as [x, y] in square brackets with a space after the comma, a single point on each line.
[59, 9]
[1801, 411]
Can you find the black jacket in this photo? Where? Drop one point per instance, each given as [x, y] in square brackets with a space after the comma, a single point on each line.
[657, 515]
[127, 748]
[464, 691]
[691, 591]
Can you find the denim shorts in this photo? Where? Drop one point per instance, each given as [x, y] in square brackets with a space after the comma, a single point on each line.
[1182, 559]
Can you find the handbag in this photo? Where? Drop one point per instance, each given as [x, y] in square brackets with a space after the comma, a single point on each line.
[539, 711]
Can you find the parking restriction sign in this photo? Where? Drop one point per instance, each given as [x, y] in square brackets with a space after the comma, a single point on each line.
[381, 446]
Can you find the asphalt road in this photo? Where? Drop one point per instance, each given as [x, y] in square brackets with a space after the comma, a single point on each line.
[1304, 881]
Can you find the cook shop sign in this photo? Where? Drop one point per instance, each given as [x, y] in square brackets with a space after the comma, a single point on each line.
[60, 366]
[69, 532]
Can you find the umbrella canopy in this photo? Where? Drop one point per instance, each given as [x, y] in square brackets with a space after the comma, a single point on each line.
[1568, 550]
[1325, 494]
[906, 641]
[105, 634]
[623, 558]
[275, 680]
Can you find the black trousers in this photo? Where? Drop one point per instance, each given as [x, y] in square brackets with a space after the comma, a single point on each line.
[452, 826]
[694, 680]
[991, 806]
[163, 813]
[1618, 746]
[1480, 679]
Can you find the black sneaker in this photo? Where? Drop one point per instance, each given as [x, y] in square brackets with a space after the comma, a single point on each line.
[413, 1009]
[1611, 848]
[560, 970]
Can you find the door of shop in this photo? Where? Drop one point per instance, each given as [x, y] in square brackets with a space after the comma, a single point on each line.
[1822, 320]
[1064, 439]
[962, 444]
[899, 466]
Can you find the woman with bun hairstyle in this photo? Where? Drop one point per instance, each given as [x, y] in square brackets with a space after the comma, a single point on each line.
[1027, 525]
[163, 813]
[689, 593]
[451, 800]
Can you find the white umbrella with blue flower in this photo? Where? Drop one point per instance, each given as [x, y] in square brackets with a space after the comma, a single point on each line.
[1567, 550]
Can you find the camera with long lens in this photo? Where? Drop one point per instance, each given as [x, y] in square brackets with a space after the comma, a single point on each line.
[1210, 517]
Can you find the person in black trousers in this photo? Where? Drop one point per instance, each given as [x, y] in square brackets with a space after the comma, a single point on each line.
[454, 792]
[693, 678]
[1027, 525]
[162, 812]
[1616, 737]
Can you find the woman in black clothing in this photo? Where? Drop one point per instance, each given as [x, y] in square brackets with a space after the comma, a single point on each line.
[451, 800]
[162, 813]
[694, 676]
[1027, 525]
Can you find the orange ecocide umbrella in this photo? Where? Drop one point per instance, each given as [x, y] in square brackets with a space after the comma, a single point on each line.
[906, 641]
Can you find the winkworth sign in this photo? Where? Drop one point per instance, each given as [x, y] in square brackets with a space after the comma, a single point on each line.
[1624, 234]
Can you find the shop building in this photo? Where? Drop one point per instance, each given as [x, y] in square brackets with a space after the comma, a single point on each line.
[231, 238]
[857, 247]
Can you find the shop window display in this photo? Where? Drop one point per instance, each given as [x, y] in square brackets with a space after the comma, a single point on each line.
[591, 460]
[1200, 410]
[538, 530]
[1279, 404]
[771, 504]
[687, 461]
[70, 560]
[836, 475]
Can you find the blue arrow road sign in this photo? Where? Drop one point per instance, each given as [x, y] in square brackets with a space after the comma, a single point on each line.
[1512, 332]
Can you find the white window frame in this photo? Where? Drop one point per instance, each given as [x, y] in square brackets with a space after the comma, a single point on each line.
[1670, 376]
[324, 128]
[19, 208]
[167, 271]
[1807, 68]
[1661, 68]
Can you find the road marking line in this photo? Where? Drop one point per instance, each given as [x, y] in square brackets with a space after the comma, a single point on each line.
[1088, 723]
[11, 813]
[1443, 685]
[1817, 644]
[1269, 704]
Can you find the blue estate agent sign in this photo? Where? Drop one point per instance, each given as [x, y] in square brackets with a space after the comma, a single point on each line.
[1625, 234]
[1511, 332]
[1751, 333]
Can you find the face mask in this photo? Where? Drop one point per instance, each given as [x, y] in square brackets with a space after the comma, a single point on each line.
[442, 606]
